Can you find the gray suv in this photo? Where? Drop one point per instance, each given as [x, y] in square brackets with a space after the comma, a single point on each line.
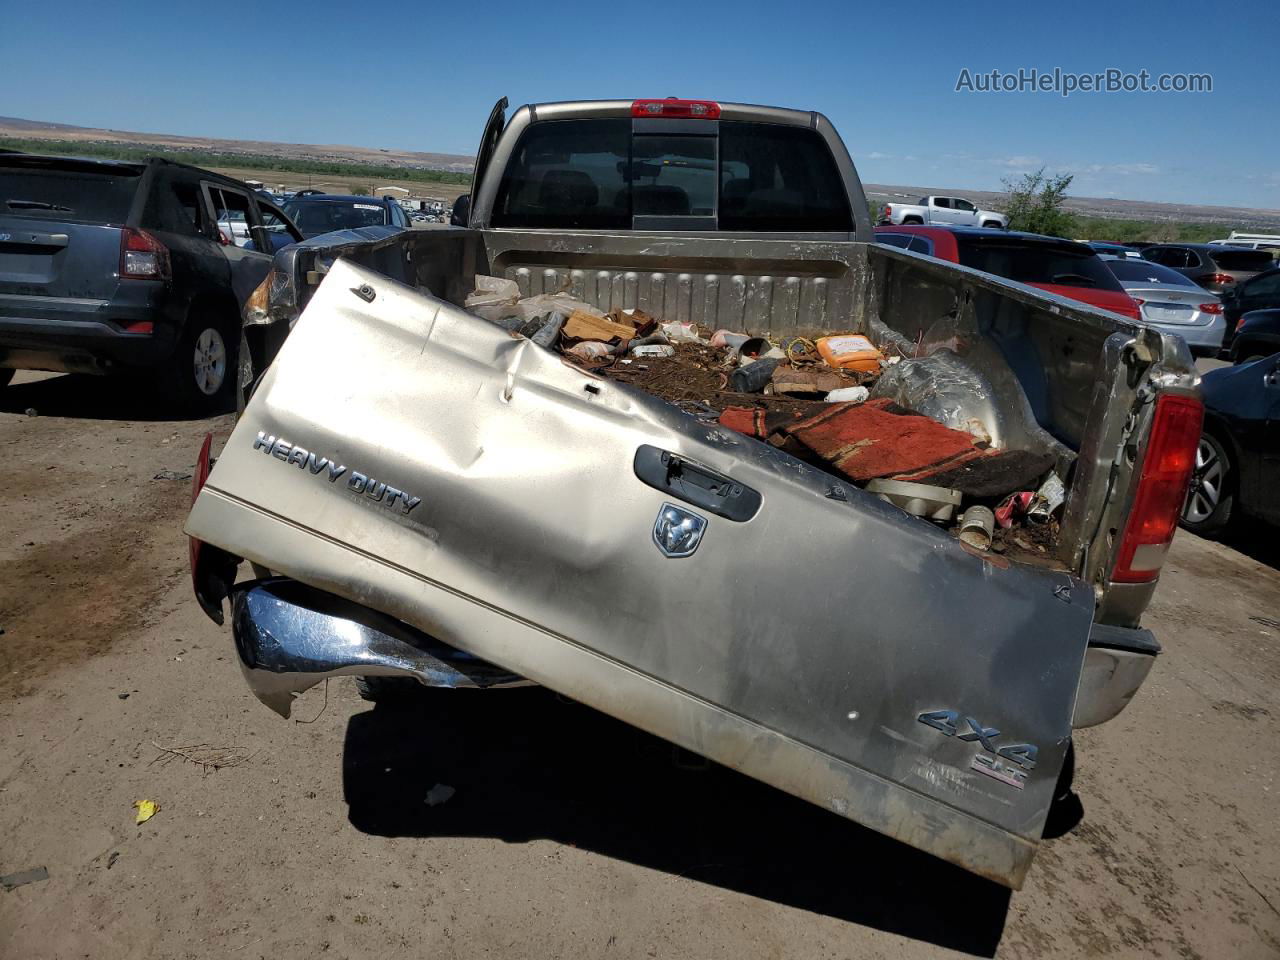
[1216, 268]
[112, 267]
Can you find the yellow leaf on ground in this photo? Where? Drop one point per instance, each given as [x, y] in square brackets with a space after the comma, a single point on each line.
[146, 810]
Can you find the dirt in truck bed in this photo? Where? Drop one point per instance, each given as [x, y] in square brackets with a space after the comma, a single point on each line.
[695, 375]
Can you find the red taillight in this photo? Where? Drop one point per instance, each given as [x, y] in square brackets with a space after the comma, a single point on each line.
[1214, 307]
[1131, 309]
[142, 256]
[198, 478]
[145, 327]
[1139, 301]
[671, 107]
[1218, 278]
[1162, 487]
[888, 209]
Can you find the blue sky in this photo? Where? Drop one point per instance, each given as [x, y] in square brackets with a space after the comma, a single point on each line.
[423, 77]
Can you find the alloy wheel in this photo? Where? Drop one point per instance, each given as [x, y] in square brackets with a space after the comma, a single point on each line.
[1207, 479]
[210, 361]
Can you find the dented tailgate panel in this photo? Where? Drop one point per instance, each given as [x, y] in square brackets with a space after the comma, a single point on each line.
[488, 494]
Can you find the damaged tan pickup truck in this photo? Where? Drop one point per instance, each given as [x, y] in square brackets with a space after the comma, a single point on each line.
[421, 493]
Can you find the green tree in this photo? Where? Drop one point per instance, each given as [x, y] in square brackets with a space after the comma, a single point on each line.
[359, 192]
[1035, 202]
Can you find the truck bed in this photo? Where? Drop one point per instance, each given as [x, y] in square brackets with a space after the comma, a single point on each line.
[1038, 371]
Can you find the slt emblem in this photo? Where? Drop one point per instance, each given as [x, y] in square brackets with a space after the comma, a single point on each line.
[677, 532]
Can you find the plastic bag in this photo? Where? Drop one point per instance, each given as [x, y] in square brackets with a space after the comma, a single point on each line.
[682, 333]
[496, 298]
[493, 297]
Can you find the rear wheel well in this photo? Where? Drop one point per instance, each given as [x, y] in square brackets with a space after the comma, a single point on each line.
[915, 220]
[213, 305]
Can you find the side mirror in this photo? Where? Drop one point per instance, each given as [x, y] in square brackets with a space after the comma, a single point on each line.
[461, 215]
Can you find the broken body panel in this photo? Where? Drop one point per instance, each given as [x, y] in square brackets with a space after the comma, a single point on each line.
[881, 678]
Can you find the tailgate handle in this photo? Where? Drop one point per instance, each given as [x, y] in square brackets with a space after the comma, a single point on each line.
[36, 239]
[695, 483]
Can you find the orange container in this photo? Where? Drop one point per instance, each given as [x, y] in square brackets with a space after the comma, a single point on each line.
[851, 351]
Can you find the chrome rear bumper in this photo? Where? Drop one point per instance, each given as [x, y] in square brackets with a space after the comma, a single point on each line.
[290, 637]
[1116, 663]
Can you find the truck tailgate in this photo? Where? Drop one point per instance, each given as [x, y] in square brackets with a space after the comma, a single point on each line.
[414, 459]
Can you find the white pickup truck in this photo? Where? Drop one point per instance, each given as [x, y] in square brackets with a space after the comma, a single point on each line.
[943, 210]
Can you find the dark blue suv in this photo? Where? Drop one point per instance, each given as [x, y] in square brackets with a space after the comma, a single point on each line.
[319, 213]
[112, 267]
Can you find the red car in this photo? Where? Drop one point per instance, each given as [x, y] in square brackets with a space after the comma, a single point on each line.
[1069, 269]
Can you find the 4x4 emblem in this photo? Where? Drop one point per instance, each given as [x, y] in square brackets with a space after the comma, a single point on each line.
[951, 722]
[677, 532]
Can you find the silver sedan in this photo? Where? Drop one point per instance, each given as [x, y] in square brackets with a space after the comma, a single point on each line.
[1173, 303]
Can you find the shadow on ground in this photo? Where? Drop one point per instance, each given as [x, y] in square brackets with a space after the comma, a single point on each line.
[1256, 539]
[86, 397]
[527, 765]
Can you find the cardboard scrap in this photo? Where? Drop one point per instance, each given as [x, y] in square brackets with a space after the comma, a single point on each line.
[789, 379]
[583, 326]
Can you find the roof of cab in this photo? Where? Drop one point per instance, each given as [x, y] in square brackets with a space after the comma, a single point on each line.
[577, 109]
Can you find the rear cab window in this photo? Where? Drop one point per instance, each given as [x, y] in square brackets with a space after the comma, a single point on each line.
[1025, 260]
[620, 174]
[1133, 270]
[1242, 260]
[56, 188]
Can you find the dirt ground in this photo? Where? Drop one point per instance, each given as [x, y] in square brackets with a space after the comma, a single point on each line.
[569, 834]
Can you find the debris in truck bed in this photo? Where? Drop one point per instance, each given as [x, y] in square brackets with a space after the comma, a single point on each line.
[864, 441]
[851, 352]
[993, 475]
[1029, 543]
[918, 499]
[791, 380]
[815, 399]
[695, 373]
[583, 326]
[977, 526]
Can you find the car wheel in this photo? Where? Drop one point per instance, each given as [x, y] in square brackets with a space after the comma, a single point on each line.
[203, 373]
[6, 374]
[1211, 496]
[912, 221]
[991, 224]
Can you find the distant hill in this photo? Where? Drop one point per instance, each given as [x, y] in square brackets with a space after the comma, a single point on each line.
[1240, 218]
[36, 129]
